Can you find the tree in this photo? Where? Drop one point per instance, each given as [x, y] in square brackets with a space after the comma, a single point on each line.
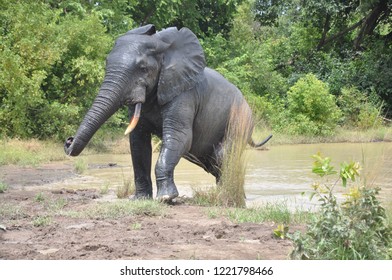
[51, 66]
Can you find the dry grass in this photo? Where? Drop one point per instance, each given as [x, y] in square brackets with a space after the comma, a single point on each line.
[230, 191]
[231, 185]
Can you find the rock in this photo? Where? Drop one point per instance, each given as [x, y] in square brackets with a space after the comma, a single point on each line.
[81, 226]
[48, 251]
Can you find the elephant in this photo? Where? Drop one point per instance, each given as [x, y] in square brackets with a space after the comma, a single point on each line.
[163, 79]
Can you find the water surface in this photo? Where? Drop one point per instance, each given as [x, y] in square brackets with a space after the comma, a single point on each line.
[281, 173]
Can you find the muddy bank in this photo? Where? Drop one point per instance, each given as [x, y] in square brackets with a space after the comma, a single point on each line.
[184, 232]
[40, 224]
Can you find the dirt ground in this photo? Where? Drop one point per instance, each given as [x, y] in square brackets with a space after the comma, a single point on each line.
[184, 232]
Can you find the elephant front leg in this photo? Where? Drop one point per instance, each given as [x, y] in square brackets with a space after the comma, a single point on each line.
[141, 151]
[164, 171]
[174, 145]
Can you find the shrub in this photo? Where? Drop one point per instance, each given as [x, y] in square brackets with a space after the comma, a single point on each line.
[353, 229]
[357, 110]
[311, 108]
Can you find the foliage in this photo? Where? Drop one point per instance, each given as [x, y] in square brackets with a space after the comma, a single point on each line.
[358, 109]
[353, 229]
[311, 109]
[51, 67]
[52, 56]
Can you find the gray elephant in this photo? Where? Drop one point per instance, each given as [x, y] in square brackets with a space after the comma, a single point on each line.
[162, 77]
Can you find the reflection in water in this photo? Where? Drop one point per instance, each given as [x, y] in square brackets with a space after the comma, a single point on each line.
[281, 173]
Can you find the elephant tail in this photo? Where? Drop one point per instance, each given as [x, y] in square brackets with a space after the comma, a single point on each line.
[257, 145]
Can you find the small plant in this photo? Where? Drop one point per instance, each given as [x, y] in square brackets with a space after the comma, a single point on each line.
[3, 187]
[41, 221]
[80, 165]
[125, 189]
[39, 197]
[56, 205]
[104, 189]
[353, 229]
[136, 226]
[281, 231]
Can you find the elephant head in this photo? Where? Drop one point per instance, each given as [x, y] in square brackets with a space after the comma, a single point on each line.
[142, 65]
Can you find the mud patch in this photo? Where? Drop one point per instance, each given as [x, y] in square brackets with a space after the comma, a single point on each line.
[40, 219]
[184, 232]
[16, 176]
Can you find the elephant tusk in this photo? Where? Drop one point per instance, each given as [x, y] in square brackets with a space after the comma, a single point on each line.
[135, 119]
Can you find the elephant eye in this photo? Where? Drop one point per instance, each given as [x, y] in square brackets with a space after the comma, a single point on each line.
[143, 67]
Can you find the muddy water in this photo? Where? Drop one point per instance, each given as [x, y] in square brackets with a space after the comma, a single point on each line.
[281, 173]
[284, 172]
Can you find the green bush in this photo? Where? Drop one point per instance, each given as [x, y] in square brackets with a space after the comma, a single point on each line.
[356, 228]
[357, 110]
[311, 108]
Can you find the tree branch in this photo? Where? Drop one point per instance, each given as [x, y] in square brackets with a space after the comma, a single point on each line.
[370, 23]
[325, 31]
[340, 34]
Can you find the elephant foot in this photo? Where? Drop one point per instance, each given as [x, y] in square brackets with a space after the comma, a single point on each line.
[166, 191]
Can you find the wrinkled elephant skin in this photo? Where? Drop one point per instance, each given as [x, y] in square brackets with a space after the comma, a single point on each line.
[164, 76]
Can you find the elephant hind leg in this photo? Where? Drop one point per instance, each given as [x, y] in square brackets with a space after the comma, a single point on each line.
[211, 164]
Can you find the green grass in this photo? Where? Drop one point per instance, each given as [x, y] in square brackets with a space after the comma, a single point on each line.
[29, 152]
[104, 189]
[3, 187]
[34, 152]
[80, 165]
[10, 211]
[125, 189]
[342, 135]
[277, 212]
[42, 221]
[39, 197]
[388, 212]
[118, 209]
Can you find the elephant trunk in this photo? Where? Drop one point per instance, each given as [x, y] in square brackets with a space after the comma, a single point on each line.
[104, 106]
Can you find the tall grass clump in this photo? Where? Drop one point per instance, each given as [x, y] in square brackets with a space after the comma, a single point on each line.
[231, 184]
[80, 165]
[229, 191]
[356, 228]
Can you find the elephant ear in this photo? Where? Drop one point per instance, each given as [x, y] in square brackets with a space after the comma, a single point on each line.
[183, 62]
[148, 29]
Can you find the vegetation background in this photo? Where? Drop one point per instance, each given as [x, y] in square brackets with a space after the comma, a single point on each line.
[306, 67]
